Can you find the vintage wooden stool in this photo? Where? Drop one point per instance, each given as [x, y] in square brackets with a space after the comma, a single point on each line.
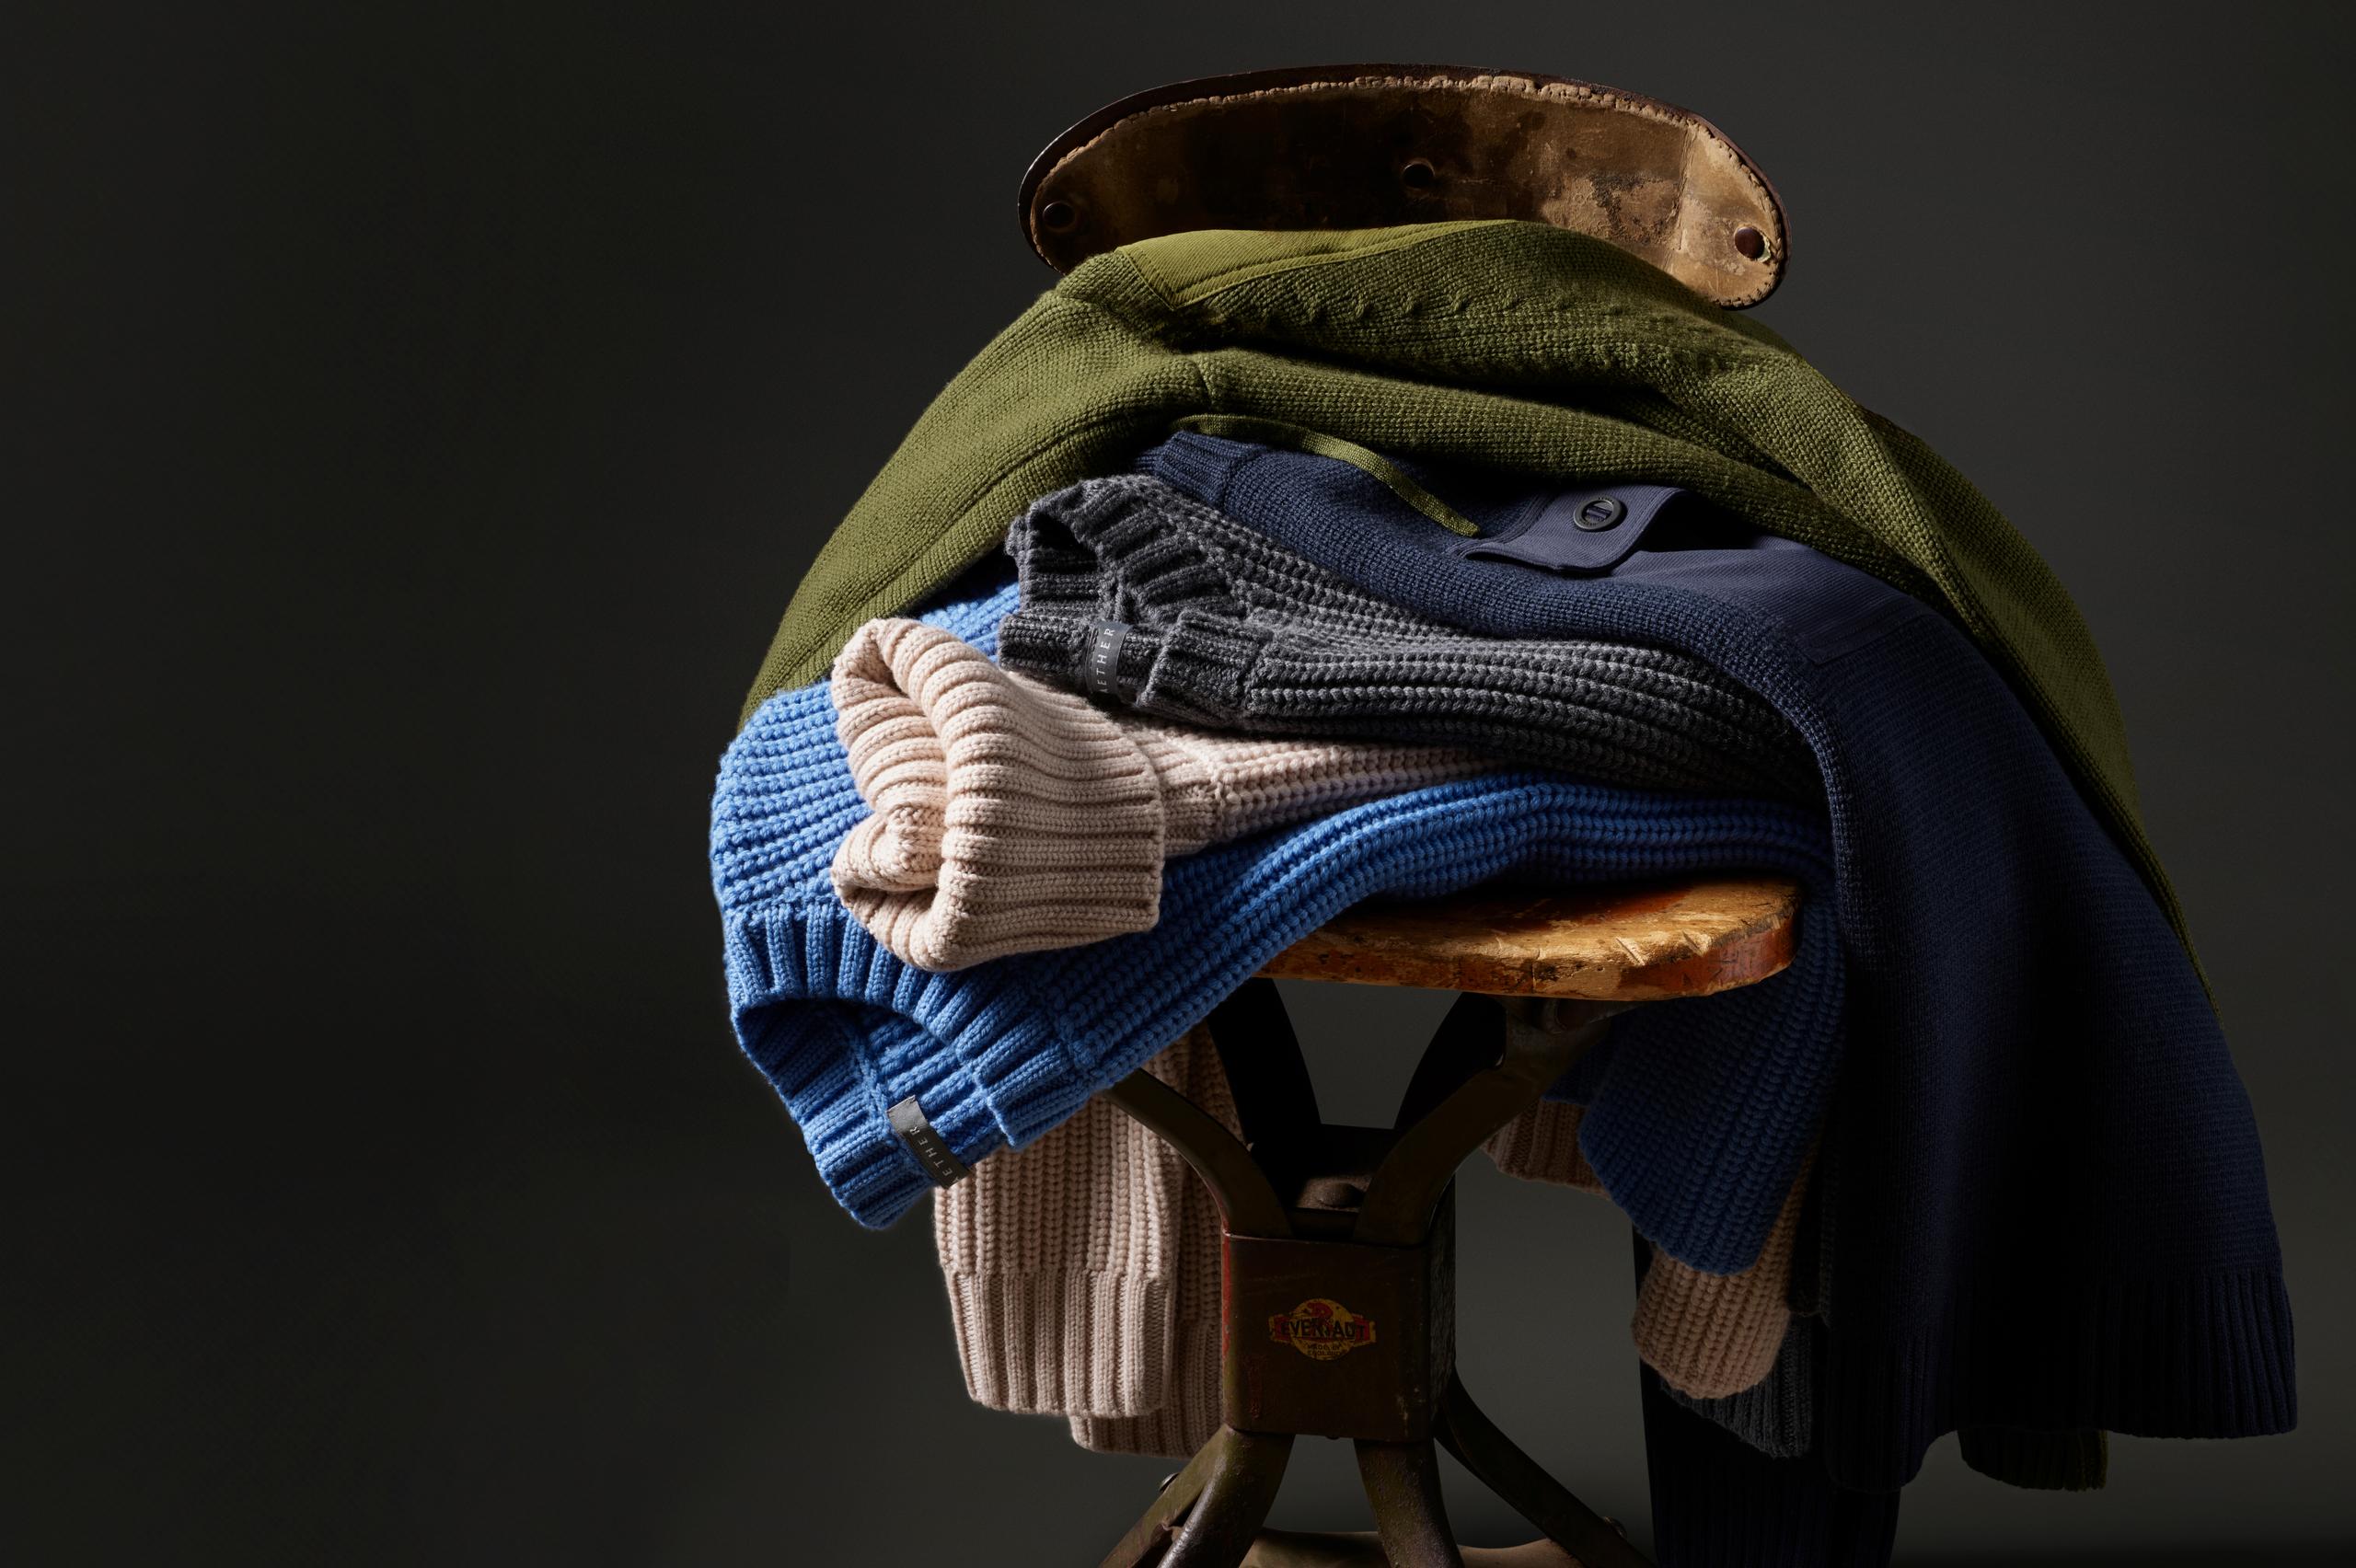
[1340, 1285]
[1339, 1296]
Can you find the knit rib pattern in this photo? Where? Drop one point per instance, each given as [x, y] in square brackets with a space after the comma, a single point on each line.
[1718, 1502]
[1184, 1420]
[1012, 817]
[1140, 593]
[1515, 345]
[1151, 598]
[1710, 1336]
[1002, 1053]
[1084, 1272]
[1542, 1145]
[2041, 1462]
[1713, 1335]
[1777, 1414]
[2110, 1152]
[1000, 825]
[1058, 1262]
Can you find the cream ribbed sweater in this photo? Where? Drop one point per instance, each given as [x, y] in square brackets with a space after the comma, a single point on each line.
[1083, 1273]
[1012, 817]
[1707, 1335]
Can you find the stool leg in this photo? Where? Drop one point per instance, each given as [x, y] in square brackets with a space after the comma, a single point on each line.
[1525, 1484]
[1403, 1484]
[1207, 1514]
[1234, 1504]
[1146, 1538]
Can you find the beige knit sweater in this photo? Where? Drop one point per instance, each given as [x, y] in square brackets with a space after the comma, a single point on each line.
[1012, 817]
[1083, 1273]
[1707, 1335]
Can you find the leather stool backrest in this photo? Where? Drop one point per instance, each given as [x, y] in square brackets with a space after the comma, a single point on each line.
[1369, 146]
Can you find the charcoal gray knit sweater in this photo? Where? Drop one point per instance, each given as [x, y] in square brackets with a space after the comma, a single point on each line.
[1138, 595]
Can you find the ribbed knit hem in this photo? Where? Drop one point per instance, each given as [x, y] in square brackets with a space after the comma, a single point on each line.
[1202, 468]
[1005, 1075]
[1058, 1343]
[1719, 1503]
[1778, 1416]
[2205, 1356]
[2038, 1461]
[1542, 1145]
[1713, 1336]
[1183, 1422]
[1710, 1335]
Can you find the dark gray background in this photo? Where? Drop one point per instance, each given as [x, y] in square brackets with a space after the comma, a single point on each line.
[415, 422]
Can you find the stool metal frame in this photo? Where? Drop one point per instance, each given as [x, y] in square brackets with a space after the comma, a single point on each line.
[1338, 1298]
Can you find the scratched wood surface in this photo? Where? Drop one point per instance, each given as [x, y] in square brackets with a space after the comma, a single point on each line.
[1631, 943]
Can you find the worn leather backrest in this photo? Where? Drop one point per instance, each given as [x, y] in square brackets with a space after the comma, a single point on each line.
[1369, 146]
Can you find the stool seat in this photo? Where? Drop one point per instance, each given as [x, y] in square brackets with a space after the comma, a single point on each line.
[1624, 944]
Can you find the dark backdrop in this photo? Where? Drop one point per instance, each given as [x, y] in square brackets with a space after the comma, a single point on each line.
[415, 422]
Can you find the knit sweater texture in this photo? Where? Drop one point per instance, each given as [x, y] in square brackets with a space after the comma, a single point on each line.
[1011, 817]
[1514, 345]
[2040, 1089]
[1141, 595]
[1002, 1052]
[1212, 622]
[1067, 1267]
[1083, 1284]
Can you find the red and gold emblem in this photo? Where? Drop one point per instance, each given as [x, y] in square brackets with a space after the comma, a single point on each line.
[1322, 1328]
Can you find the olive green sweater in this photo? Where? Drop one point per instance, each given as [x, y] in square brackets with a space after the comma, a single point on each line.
[1509, 344]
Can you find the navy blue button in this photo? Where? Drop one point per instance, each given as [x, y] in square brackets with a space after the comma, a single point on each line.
[1603, 512]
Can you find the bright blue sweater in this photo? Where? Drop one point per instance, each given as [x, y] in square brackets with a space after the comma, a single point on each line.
[1714, 1096]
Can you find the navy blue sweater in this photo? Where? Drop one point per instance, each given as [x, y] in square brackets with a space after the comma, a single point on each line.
[2047, 1206]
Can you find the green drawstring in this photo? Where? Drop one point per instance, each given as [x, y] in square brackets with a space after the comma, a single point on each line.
[1275, 432]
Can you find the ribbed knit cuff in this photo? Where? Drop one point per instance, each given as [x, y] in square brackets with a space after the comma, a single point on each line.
[1193, 800]
[1777, 1417]
[985, 1061]
[1542, 1145]
[1202, 465]
[1121, 529]
[1183, 1421]
[1057, 1342]
[1709, 1335]
[1195, 669]
[1712, 1336]
[1007, 818]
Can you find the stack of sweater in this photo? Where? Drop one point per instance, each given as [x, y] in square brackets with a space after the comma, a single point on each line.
[1615, 586]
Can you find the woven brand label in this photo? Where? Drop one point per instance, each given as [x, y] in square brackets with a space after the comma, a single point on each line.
[907, 1119]
[1101, 672]
[1321, 1328]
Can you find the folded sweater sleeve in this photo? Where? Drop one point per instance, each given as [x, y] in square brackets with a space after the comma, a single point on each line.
[1138, 594]
[1007, 816]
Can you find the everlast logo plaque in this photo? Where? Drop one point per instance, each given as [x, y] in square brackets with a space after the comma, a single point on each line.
[1321, 1328]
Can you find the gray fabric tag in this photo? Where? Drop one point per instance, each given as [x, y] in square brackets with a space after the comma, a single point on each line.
[945, 1168]
[1101, 670]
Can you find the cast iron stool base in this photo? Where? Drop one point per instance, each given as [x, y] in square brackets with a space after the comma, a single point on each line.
[1340, 1287]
